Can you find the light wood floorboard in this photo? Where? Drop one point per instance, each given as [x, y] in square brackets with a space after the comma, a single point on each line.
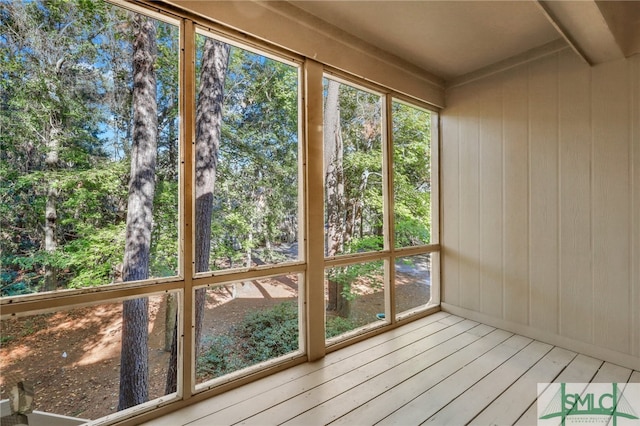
[440, 370]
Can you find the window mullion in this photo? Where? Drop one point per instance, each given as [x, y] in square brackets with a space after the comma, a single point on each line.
[314, 144]
[187, 98]
[390, 305]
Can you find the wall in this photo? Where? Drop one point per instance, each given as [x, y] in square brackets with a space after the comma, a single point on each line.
[541, 203]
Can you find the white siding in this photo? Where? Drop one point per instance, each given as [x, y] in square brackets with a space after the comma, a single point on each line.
[541, 200]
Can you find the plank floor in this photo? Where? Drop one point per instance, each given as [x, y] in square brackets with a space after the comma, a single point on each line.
[441, 370]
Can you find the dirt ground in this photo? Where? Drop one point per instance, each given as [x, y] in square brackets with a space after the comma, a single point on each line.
[72, 358]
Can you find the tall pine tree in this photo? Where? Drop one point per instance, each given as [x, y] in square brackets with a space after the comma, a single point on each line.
[134, 361]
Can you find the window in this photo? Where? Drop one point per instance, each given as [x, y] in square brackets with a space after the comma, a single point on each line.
[246, 169]
[90, 149]
[90, 192]
[411, 175]
[359, 250]
[153, 220]
[413, 201]
[353, 143]
[71, 358]
[246, 208]
[247, 323]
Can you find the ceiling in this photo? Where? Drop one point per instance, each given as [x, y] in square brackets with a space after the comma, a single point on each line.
[451, 39]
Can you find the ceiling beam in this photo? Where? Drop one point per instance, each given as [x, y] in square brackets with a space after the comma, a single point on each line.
[584, 27]
[623, 18]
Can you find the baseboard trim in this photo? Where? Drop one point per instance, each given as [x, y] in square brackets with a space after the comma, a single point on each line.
[624, 360]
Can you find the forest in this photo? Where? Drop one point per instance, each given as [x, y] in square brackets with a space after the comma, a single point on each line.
[90, 154]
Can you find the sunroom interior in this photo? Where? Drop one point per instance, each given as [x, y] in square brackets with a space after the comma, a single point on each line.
[527, 273]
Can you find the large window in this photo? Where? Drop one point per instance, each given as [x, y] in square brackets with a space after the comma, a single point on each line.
[246, 208]
[246, 169]
[158, 204]
[367, 266]
[89, 176]
[70, 360]
[89, 196]
[353, 144]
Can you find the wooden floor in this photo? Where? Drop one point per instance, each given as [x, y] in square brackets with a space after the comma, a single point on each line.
[442, 370]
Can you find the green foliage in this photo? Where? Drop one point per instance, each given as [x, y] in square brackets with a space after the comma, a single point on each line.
[412, 175]
[67, 77]
[92, 258]
[164, 238]
[5, 339]
[369, 273]
[220, 357]
[411, 232]
[261, 335]
[16, 286]
[338, 325]
[365, 244]
[267, 334]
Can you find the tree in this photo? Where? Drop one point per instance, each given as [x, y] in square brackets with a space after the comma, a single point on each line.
[411, 175]
[334, 188]
[134, 368]
[215, 60]
[353, 185]
[257, 173]
[48, 117]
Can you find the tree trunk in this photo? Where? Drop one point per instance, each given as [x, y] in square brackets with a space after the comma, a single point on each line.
[170, 318]
[51, 213]
[333, 170]
[134, 355]
[248, 251]
[215, 59]
[134, 360]
[334, 184]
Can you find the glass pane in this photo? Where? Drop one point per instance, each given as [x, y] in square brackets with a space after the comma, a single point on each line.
[71, 360]
[352, 170]
[411, 175]
[89, 161]
[413, 282]
[246, 323]
[246, 158]
[354, 297]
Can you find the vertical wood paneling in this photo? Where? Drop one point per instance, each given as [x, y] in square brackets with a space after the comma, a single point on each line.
[541, 182]
[634, 81]
[491, 199]
[610, 204]
[516, 199]
[576, 298]
[449, 156]
[469, 205]
[543, 196]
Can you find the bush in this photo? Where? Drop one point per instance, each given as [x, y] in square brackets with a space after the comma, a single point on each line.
[218, 357]
[262, 335]
[269, 333]
[338, 325]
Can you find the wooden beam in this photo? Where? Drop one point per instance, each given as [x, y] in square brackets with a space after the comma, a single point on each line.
[584, 27]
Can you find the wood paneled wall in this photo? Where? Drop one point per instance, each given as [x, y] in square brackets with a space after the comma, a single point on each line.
[541, 202]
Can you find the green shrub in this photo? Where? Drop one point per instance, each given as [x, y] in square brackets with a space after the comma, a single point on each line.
[218, 358]
[261, 335]
[338, 325]
[269, 333]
